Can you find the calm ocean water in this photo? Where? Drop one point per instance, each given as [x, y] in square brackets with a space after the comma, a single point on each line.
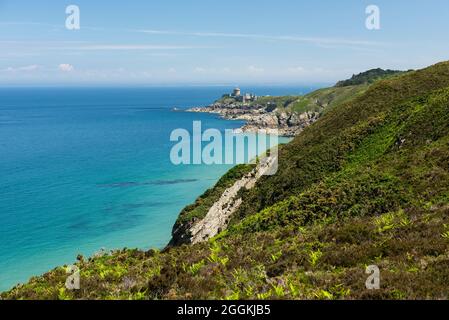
[84, 169]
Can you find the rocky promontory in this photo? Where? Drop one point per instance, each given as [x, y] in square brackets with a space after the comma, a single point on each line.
[262, 116]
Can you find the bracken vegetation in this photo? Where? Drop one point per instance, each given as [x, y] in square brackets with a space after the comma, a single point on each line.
[367, 184]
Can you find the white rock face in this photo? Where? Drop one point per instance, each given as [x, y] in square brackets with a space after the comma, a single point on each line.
[217, 218]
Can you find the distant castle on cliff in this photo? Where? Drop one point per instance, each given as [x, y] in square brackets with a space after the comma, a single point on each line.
[237, 95]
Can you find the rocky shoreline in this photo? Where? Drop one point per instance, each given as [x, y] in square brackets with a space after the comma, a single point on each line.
[260, 117]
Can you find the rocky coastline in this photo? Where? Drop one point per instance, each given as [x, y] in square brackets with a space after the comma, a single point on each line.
[262, 117]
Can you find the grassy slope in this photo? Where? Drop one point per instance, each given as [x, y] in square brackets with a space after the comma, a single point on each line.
[317, 101]
[366, 184]
[325, 99]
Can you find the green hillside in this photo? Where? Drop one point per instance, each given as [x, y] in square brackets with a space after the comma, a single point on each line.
[368, 77]
[325, 99]
[367, 184]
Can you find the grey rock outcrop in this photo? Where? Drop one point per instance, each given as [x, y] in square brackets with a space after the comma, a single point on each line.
[258, 118]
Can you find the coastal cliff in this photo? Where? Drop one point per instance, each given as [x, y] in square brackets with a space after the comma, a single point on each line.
[202, 228]
[366, 184]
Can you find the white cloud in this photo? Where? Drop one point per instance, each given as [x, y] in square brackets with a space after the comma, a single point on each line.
[123, 47]
[254, 69]
[172, 70]
[32, 67]
[212, 71]
[199, 70]
[147, 74]
[29, 68]
[65, 67]
[296, 70]
[289, 38]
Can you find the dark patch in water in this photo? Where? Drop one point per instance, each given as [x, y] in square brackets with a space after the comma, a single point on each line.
[112, 217]
[177, 181]
[79, 225]
[128, 184]
[107, 224]
[123, 184]
[128, 207]
[127, 222]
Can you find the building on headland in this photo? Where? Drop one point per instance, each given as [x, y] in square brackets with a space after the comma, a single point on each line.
[237, 95]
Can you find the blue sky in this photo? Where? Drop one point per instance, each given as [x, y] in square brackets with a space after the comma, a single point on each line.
[215, 42]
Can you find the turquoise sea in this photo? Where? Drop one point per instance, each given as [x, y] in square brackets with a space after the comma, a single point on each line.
[88, 168]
